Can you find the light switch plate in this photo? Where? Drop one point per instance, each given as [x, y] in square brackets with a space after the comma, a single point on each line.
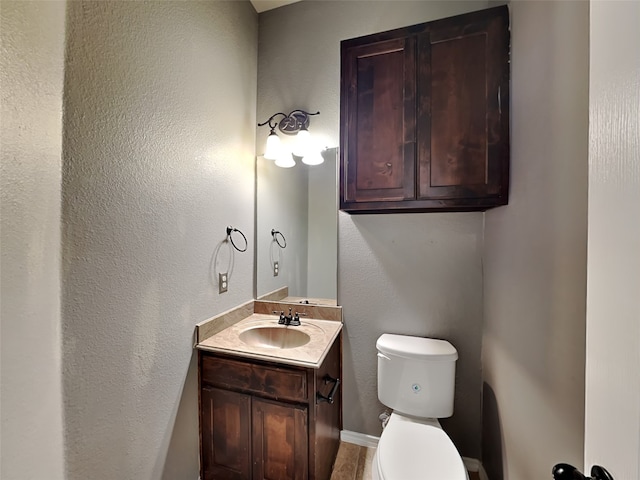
[223, 282]
[276, 268]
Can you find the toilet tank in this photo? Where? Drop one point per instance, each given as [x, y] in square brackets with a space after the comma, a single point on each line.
[416, 376]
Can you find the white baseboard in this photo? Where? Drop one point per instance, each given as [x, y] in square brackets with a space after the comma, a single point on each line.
[361, 439]
[474, 465]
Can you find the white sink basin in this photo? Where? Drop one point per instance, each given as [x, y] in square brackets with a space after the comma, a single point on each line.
[274, 337]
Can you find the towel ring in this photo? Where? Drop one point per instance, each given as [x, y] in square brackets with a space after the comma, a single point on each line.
[230, 230]
[274, 234]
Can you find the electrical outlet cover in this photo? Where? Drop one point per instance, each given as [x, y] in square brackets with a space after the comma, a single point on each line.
[223, 282]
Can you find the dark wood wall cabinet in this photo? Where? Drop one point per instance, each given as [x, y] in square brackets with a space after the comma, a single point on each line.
[425, 116]
[262, 420]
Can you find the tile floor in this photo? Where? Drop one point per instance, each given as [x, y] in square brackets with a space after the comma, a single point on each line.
[353, 462]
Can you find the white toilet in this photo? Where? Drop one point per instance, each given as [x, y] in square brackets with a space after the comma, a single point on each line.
[416, 378]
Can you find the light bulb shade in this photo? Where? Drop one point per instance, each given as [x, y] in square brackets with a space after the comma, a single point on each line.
[301, 144]
[314, 157]
[273, 149]
[285, 160]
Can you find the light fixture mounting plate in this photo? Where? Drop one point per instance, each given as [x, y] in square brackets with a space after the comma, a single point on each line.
[294, 122]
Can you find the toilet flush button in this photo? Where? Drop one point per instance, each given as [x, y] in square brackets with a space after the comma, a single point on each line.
[416, 388]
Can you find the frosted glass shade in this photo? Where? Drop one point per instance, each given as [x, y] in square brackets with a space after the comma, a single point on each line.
[273, 150]
[285, 160]
[301, 144]
[314, 157]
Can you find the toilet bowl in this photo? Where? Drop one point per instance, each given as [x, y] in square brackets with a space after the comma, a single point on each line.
[416, 378]
[416, 449]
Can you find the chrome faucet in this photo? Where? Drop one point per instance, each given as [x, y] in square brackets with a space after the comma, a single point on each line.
[293, 319]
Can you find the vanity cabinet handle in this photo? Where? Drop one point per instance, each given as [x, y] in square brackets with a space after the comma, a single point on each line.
[329, 398]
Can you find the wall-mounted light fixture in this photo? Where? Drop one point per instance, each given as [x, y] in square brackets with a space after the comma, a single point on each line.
[295, 123]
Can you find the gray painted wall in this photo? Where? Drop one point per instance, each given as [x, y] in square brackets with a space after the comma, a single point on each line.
[416, 274]
[413, 274]
[159, 136]
[31, 157]
[535, 252]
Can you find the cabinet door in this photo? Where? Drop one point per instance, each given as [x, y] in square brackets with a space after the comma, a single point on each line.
[463, 123]
[280, 441]
[226, 429]
[378, 121]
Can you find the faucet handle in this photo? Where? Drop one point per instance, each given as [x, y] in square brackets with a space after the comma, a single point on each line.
[281, 320]
[295, 321]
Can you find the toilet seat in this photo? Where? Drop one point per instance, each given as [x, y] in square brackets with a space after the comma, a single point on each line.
[410, 450]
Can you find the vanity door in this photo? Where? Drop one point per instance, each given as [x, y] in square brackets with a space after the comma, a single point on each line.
[225, 419]
[280, 441]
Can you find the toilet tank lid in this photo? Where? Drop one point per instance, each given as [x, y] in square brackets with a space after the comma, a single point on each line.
[416, 347]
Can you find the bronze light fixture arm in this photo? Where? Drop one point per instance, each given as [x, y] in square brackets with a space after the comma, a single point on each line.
[272, 126]
[290, 124]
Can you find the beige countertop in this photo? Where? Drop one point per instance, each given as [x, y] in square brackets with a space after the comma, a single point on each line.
[321, 334]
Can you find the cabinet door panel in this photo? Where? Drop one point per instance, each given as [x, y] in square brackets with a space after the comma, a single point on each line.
[280, 441]
[380, 121]
[462, 129]
[458, 110]
[226, 430]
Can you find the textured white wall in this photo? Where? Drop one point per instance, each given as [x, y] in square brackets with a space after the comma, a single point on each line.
[159, 140]
[416, 274]
[535, 252]
[31, 156]
[612, 428]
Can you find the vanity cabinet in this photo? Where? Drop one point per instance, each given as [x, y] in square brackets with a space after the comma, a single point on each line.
[425, 116]
[264, 420]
